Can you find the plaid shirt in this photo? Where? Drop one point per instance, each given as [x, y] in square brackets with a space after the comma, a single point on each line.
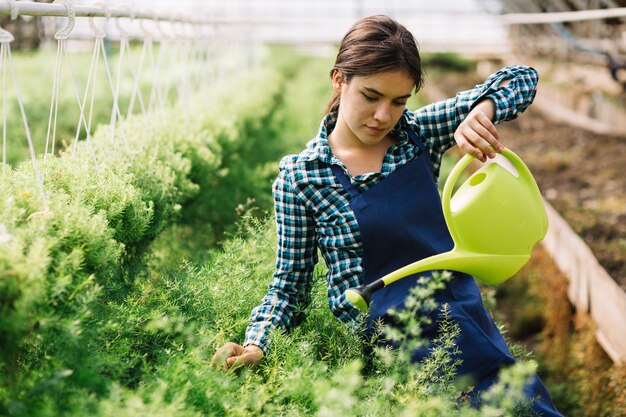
[313, 210]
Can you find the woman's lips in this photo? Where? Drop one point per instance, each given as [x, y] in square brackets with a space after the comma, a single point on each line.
[376, 130]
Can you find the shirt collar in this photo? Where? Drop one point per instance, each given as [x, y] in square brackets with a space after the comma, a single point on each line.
[319, 148]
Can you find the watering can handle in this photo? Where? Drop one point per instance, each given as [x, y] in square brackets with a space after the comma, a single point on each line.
[522, 171]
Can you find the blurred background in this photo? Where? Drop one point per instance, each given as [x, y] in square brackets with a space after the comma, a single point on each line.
[568, 305]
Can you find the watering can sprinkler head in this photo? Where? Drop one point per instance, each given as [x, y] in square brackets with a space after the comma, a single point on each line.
[495, 219]
[360, 296]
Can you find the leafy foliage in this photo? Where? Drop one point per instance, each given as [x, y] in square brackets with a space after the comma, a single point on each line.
[65, 263]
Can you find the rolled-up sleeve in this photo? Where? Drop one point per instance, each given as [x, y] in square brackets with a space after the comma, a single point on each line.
[438, 121]
[513, 98]
[290, 289]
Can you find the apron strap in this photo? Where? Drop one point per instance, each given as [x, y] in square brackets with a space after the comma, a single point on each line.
[413, 138]
[343, 178]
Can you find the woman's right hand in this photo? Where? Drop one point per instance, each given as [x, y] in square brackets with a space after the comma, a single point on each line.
[234, 356]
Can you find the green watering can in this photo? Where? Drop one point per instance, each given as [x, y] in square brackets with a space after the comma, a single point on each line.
[495, 219]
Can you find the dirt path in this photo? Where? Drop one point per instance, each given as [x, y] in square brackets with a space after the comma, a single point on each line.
[581, 174]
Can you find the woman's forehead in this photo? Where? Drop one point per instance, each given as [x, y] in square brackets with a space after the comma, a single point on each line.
[389, 83]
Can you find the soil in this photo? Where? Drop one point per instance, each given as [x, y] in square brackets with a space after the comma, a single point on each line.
[580, 173]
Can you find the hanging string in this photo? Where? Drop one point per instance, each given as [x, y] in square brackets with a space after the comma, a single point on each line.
[200, 57]
[116, 107]
[147, 44]
[199, 51]
[167, 47]
[82, 119]
[91, 83]
[136, 90]
[61, 36]
[115, 113]
[99, 49]
[183, 82]
[7, 59]
[54, 104]
[3, 55]
[7, 37]
[154, 101]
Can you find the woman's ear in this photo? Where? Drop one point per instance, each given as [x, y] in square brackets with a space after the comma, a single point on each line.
[337, 79]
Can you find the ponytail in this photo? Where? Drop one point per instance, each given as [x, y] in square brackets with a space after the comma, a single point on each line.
[333, 104]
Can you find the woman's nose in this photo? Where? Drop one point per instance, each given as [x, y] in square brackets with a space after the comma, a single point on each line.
[382, 113]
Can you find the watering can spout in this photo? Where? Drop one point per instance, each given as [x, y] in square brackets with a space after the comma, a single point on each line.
[492, 269]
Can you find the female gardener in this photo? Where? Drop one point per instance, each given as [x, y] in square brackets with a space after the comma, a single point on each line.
[364, 192]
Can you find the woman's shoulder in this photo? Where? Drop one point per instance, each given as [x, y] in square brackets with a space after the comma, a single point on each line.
[309, 167]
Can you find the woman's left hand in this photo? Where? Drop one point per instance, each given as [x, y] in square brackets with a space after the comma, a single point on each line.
[477, 135]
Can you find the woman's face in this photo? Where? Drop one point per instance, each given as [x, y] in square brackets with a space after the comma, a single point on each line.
[370, 106]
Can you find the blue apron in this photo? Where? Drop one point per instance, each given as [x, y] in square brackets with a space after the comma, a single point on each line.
[401, 221]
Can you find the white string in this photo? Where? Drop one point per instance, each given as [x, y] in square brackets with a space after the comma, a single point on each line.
[116, 107]
[199, 75]
[75, 87]
[184, 82]
[94, 71]
[165, 72]
[3, 54]
[175, 48]
[179, 54]
[82, 119]
[153, 103]
[185, 79]
[156, 94]
[94, 82]
[115, 113]
[208, 61]
[158, 69]
[58, 86]
[54, 101]
[38, 175]
[136, 87]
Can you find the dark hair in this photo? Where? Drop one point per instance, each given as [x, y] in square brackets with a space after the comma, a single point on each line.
[375, 44]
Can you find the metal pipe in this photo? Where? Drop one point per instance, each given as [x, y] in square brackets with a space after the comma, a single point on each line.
[50, 9]
[533, 18]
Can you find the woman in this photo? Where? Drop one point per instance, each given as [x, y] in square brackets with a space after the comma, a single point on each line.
[364, 192]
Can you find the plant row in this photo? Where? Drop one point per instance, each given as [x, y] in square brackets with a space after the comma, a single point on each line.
[162, 337]
[68, 259]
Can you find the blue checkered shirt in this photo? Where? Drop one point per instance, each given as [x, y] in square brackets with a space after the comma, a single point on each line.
[313, 210]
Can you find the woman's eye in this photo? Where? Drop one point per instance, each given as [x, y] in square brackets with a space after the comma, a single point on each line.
[369, 98]
[400, 103]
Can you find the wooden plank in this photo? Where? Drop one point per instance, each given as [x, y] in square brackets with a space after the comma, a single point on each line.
[591, 288]
[608, 310]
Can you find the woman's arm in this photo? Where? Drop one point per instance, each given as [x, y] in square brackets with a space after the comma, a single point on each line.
[290, 288]
[510, 91]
